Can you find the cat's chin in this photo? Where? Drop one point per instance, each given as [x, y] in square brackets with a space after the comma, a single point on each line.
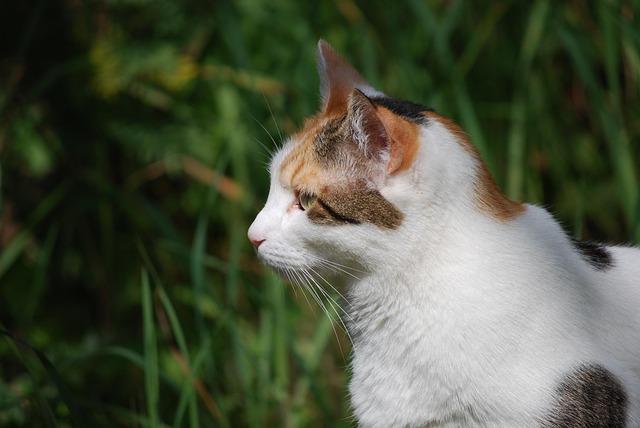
[297, 264]
[282, 270]
[281, 267]
[293, 273]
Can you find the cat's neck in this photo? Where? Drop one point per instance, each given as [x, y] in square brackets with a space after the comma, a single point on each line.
[446, 237]
[405, 288]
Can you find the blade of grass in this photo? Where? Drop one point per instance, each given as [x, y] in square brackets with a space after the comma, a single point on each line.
[65, 396]
[613, 130]
[43, 411]
[516, 167]
[482, 34]
[439, 31]
[174, 322]
[182, 345]
[11, 252]
[198, 253]
[187, 395]
[280, 355]
[126, 416]
[242, 355]
[150, 353]
[135, 359]
[309, 360]
[40, 280]
[182, 355]
[183, 252]
[611, 49]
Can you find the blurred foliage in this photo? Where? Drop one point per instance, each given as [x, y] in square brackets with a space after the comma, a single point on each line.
[133, 139]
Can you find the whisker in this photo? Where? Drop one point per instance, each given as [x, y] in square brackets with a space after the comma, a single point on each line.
[332, 287]
[272, 115]
[342, 268]
[325, 263]
[305, 279]
[265, 130]
[264, 146]
[295, 293]
[326, 311]
[296, 284]
[333, 305]
[308, 286]
[337, 264]
[329, 297]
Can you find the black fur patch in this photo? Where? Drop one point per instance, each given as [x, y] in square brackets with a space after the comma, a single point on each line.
[595, 254]
[589, 397]
[407, 109]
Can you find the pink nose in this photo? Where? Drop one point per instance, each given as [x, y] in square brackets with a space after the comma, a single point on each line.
[256, 242]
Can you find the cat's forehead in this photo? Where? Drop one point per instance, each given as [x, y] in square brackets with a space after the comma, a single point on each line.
[308, 161]
[322, 160]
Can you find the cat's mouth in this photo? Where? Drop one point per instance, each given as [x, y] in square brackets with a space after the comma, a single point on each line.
[300, 267]
[282, 269]
[293, 274]
[282, 260]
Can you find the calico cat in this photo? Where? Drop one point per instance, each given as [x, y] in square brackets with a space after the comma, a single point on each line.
[468, 309]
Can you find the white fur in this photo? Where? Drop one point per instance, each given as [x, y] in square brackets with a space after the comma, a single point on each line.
[459, 319]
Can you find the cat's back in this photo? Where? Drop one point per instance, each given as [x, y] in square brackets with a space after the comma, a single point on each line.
[590, 293]
[605, 279]
[616, 304]
[625, 267]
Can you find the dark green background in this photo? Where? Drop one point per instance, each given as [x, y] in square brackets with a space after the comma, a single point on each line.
[133, 140]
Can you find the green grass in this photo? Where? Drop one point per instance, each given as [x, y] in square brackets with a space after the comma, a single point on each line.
[133, 142]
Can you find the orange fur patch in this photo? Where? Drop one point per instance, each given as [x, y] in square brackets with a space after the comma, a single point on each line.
[298, 169]
[348, 201]
[489, 197]
[404, 140]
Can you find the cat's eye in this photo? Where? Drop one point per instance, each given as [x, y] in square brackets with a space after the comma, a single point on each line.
[306, 200]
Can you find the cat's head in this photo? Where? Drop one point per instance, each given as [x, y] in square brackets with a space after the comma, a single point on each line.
[356, 183]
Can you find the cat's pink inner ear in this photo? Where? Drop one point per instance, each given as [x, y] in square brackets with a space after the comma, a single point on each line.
[381, 134]
[403, 140]
[367, 129]
[337, 79]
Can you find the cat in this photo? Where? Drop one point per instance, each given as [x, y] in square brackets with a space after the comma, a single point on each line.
[468, 309]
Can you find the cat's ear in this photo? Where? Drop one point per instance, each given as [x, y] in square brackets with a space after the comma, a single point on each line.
[366, 129]
[337, 79]
[380, 134]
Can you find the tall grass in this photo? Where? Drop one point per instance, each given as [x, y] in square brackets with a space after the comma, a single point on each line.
[133, 143]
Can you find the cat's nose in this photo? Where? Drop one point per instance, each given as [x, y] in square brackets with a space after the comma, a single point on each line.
[255, 238]
[256, 242]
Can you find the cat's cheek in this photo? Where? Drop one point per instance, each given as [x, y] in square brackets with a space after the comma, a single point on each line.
[293, 219]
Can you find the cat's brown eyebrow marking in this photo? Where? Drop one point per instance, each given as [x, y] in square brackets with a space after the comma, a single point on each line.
[488, 195]
[335, 215]
[355, 206]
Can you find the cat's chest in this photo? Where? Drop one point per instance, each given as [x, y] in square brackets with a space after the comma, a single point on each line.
[457, 359]
[406, 368]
